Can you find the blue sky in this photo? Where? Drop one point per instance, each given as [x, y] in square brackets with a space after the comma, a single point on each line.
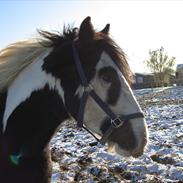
[19, 19]
[137, 26]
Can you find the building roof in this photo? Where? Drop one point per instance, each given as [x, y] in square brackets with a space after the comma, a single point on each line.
[143, 74]
[179, 66]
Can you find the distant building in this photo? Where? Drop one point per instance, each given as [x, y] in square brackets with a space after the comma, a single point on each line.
[143, 80]
[179, 75]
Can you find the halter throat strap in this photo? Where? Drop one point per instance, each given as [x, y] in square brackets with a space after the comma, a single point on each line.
[116, 121]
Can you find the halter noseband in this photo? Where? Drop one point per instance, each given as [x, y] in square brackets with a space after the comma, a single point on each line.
[116, 121]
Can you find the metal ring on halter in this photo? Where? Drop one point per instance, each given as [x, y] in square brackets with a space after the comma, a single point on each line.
[117, 122]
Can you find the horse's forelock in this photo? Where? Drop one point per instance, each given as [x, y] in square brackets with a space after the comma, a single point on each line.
[117, 54]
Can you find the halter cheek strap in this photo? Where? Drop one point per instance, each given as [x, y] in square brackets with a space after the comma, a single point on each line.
[116, 121]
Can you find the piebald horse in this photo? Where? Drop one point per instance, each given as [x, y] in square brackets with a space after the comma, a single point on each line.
[81, 74]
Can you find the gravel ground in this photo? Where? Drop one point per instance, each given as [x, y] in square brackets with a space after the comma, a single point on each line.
[78, 158]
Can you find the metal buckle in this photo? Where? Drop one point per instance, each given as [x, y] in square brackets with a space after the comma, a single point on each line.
[88, 88]
[117, 122]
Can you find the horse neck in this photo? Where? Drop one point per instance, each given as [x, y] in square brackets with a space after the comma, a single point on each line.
[30, 80]
[34, 110]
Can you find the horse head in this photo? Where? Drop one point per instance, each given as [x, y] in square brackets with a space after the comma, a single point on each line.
[113, 113]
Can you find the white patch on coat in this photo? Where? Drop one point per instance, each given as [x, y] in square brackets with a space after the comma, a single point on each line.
[32, 78]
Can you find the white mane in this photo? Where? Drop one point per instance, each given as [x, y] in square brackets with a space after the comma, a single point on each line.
[15, 57]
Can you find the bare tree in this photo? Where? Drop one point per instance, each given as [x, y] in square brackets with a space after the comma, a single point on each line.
[161, 66]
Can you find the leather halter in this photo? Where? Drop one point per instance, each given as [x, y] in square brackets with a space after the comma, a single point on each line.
[116, 121]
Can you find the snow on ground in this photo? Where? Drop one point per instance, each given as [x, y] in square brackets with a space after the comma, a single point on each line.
[78, 158]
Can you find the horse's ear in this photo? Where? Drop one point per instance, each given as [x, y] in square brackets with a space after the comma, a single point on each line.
[106, 29]
[86, 31]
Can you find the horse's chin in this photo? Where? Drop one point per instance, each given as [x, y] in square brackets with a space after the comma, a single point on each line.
[114, 148]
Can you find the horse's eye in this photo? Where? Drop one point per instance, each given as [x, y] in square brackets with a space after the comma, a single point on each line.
[106, 78]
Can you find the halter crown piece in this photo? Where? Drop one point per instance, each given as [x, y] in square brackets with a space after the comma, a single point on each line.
[116, 121]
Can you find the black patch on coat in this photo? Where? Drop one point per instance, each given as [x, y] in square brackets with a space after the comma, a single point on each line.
[123, 136]
[29, 130]
[60, 63]
[110, 76]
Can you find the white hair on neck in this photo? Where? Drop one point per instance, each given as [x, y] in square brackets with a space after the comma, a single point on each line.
[15, 57]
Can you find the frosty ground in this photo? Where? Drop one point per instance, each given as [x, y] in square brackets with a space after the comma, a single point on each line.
[77, 158]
